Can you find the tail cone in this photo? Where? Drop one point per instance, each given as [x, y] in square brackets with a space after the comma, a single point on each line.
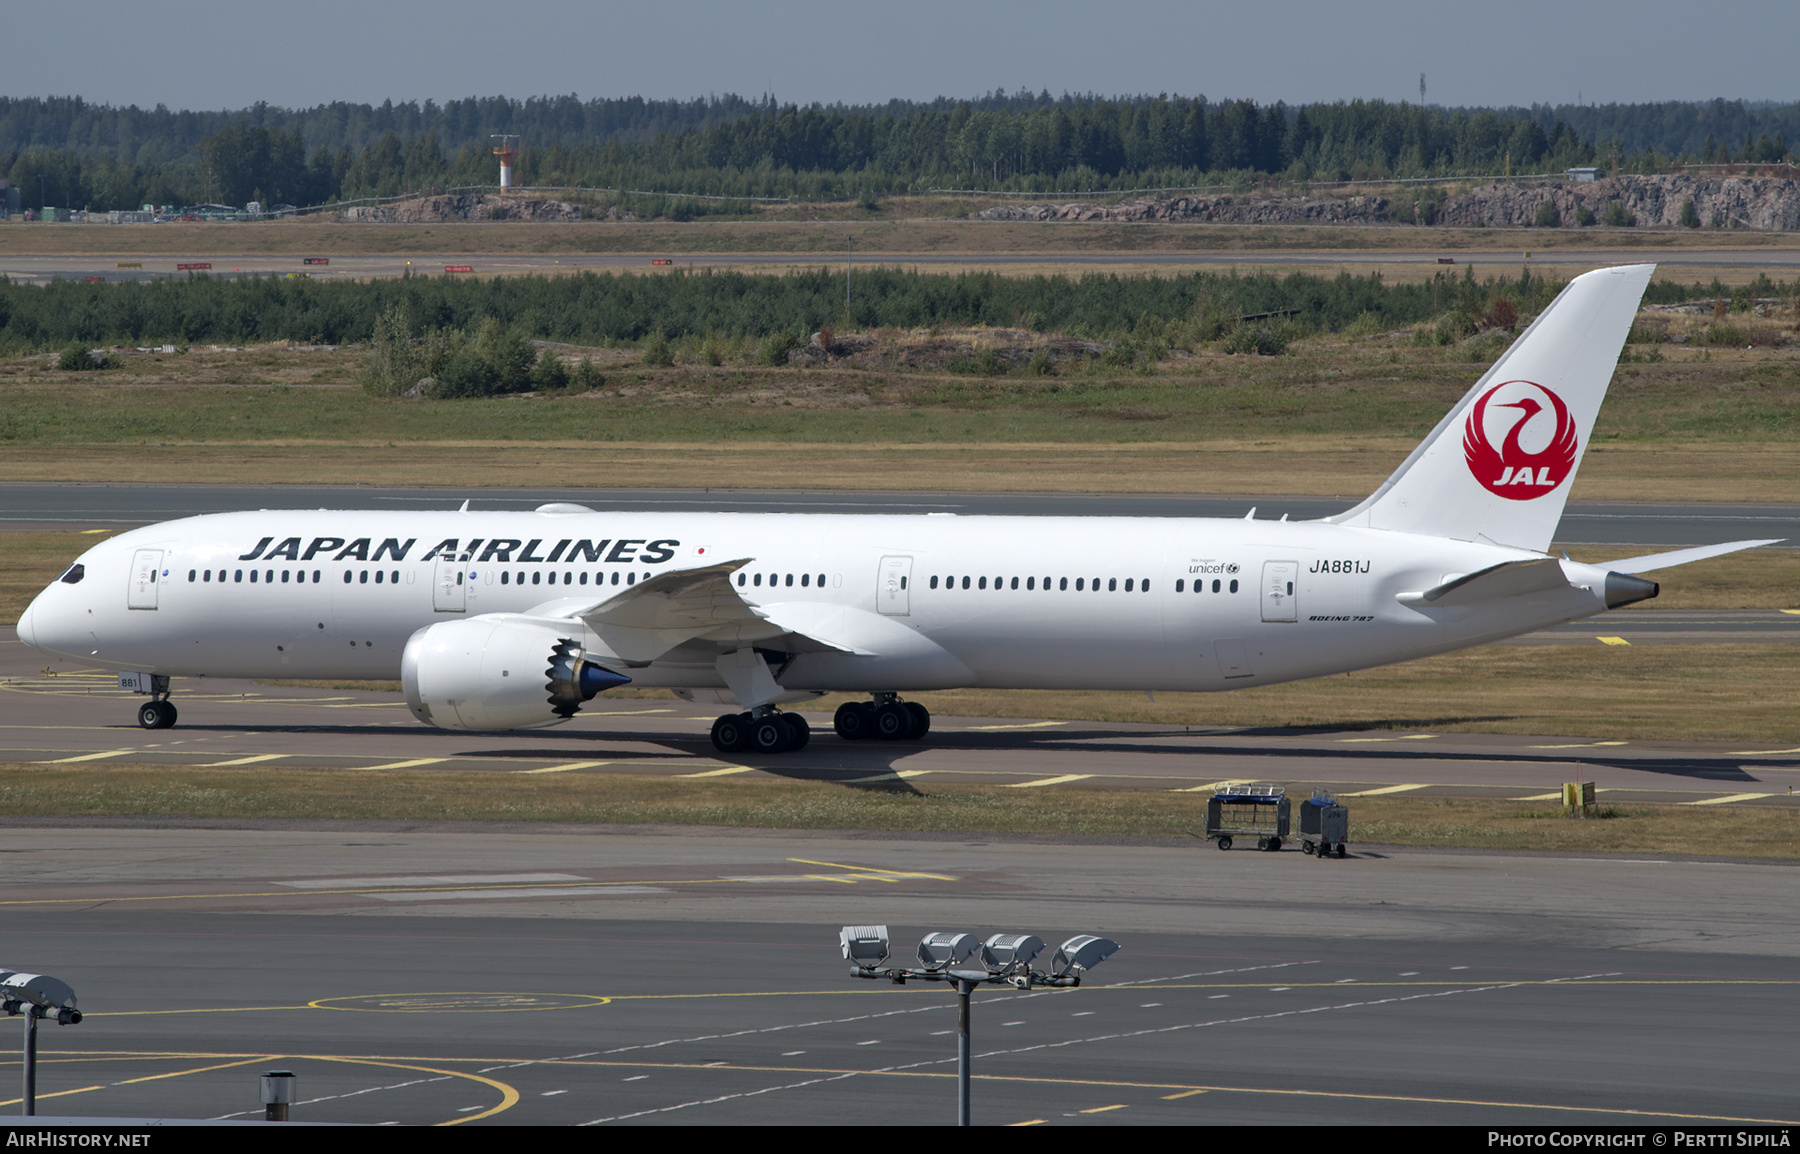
[1624, 589]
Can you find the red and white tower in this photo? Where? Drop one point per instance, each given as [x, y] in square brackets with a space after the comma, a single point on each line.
[507, 149]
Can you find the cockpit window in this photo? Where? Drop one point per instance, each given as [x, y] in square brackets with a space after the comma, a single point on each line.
[76, 572]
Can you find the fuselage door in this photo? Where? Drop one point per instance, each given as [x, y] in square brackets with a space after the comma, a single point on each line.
[146, 575]
[448, 593]
[891, 594]
[1278, 600]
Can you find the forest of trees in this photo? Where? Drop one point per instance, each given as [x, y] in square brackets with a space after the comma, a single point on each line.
[68, 153]
[602, 308]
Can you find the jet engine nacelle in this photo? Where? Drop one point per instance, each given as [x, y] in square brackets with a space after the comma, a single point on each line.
[499, 672]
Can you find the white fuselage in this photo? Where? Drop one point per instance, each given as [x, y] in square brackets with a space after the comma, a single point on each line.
[928, 602]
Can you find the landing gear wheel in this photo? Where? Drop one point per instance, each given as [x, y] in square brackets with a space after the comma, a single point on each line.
[893, 722]
[771, 734]
[1306, 847]
[1274, 845]
[921, 719]
[1262, 843]
[1224, 843]
[156, 715]
[801, 731]
[731, 733]
[854, 721]
[1340, 849]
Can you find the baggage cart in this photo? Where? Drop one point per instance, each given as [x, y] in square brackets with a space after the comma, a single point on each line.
[1324, 825]
[1258, 811]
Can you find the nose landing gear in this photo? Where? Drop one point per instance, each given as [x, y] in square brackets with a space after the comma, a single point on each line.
[886, 718]
[159, 711]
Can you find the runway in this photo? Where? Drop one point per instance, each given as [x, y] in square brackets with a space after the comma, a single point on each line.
[80, 718]
[607, 976]
[86, 506]
[1776, 262]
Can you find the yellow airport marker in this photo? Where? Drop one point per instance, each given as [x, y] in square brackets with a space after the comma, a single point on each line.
[93, 756]
[408, 764]
[252, 760]
[1761, 752]
[1729, 798]
[565, 767]
[1612, 641]
[1796, 612]
[1579, 745]
[730, 769]
[1028, 1122]
[1101, 1109]
[1067, 777]
[1389, 789]
[1183, 1094]
[1023, 725]
[1400, 737]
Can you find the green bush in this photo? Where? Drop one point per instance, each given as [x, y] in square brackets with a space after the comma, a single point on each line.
[76, 358]
[499, 360]
[775, 348]
[1263, 340]
[657, 350]
[1547, 216]
[389, 366]
[1584, 217]
[1039, 365]
[587, 377]
[1690, 218]
[550, 376]
[1617, 217]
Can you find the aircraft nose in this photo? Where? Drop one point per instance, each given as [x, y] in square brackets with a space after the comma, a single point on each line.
[24, 629]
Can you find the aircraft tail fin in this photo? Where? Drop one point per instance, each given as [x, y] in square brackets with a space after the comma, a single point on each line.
[1499, 466]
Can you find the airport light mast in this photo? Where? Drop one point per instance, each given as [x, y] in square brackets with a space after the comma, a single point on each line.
[508, 151]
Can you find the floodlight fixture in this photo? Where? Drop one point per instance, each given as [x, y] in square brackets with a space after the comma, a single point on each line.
[1078, 955]
[865, 947]
[1009, 955]
[940, 951]
[34, 996]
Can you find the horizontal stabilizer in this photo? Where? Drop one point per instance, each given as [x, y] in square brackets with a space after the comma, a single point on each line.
[1655, 561]
[1507, 579]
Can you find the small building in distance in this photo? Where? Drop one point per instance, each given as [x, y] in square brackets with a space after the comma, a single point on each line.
[1582, 175]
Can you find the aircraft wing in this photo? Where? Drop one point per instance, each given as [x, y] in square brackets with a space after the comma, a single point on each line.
[654, 616]
[1655, 561]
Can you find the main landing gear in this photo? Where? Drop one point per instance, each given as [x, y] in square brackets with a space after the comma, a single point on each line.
[886, 718]
[763, 730]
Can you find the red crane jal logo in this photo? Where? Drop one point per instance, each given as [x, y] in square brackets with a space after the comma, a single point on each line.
[1515, 471]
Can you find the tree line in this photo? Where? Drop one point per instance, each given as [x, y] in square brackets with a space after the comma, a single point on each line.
[68, 154]
[606, 308]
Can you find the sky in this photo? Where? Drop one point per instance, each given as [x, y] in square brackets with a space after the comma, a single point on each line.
[205, 54]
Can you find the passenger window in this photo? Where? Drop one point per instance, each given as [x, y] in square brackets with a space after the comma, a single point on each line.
[758, 581]
[981, 584]
[1215, 586]
[805, 580]
[300, 576]
[790, 581]
[965, 582]
[1112, 585]
[742, 578]
[252, 576]
[206, 575]
[1181, 585]
[377, 576]
[631, 578]
[902, 582]
[615, 579]
[284, 576]
[1015, 582]
[584, 578]
[269, 576]
[363, 577]
[315, 576]
[191, 576]
[1234, 585]
[459, 577]
[1080, 584]
[934, 582]
[1063, 584]
[1145, 587]
[505, 578]
[520, 578]
[537, 577]
[821, 580]
[347, 581]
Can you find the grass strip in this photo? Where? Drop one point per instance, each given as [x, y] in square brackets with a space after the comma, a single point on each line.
[900, 807]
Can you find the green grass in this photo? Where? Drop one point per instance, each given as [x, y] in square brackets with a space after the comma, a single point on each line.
[150, 791]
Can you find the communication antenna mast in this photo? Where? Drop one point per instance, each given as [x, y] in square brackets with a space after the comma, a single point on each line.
[1421, 90]
[508, 151]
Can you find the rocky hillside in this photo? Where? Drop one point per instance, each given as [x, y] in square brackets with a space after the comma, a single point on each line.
[1758, 203]
[432, 209]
